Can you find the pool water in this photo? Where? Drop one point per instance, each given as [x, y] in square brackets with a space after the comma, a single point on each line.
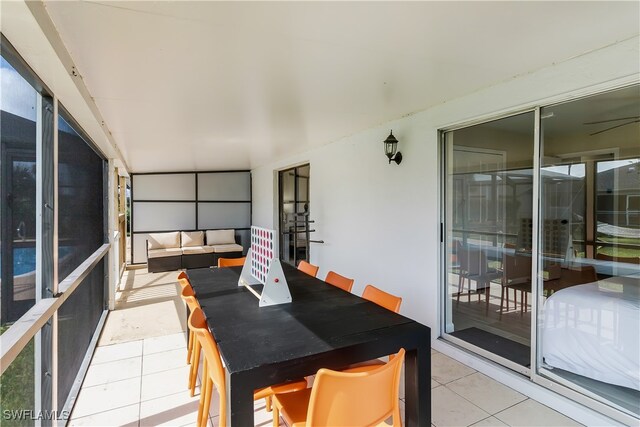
[24, 259]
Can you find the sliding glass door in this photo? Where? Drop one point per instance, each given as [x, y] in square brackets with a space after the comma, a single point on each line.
[545, 250]
[489, 216]
[589, 258]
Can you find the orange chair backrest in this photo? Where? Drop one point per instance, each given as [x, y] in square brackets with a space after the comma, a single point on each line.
[382, 298]
[339, 281]
[310, 269]
[189, 297]
[198, 324]
[183, 280]
[231, 262]
[356, 399]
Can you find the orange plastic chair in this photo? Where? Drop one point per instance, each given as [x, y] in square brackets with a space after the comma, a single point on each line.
[339, 281]
[213, 373]
[310, 269]
[183, 281]
[344, 398]
[382, 298]
[193, 347]
[231, 262]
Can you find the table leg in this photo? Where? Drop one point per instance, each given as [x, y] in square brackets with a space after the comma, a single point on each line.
[239, 401]
[418, 387]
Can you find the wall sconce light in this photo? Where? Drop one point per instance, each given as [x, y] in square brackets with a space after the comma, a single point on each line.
[390, 146]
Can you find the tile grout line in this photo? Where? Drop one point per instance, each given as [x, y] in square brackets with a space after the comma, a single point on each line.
[464, 398]
[140, 395]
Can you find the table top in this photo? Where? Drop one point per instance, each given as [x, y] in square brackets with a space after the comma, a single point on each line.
[321, 319]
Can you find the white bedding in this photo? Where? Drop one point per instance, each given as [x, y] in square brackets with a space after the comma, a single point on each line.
[593, 330]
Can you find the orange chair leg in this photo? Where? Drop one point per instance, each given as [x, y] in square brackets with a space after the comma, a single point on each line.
[276, 416]
[267, 401]
[202, 396]
[207, 402]
[193, 371]
[189, 346]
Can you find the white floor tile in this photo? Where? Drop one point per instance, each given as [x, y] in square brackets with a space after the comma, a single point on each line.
[110, 353]
[486, 393]
[261, 417]
[532, 413]
[449, 409]
[164, 343]
[165, 383]
[445, 369]
[108, 372]
[126, 416]
[165, 360]
[104, 397]
[173, 410]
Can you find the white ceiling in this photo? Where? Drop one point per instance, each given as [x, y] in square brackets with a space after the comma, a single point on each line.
[233, 85]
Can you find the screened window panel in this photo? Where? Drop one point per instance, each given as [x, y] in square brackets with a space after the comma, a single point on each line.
[18, 239]
[80, 199]
[77, 321]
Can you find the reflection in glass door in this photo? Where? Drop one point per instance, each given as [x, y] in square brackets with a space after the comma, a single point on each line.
[489, 192]
[295, 225]
[589, 298]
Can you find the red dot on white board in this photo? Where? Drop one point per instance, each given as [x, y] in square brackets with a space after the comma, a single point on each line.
[276, 280]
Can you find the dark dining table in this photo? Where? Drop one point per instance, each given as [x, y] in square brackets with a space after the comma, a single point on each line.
[323, 327]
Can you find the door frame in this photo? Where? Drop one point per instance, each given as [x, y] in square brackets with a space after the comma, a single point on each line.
[281, 240]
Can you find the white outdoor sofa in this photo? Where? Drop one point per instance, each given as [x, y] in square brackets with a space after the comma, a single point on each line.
[188, 249]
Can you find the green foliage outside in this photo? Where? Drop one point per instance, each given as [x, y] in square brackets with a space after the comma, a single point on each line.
[619, 251]
[17, 385]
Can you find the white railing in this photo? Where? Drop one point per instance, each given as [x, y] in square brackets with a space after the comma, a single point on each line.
[24, 329]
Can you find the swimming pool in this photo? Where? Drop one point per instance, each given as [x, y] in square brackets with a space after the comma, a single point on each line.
[24, 259]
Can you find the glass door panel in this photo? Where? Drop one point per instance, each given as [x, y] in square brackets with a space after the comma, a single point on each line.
[489, 193]
[294, 214]
[589, 301]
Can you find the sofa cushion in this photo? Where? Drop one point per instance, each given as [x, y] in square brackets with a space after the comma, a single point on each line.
[161, 253]
[227, 248]
[164, 240]
[193, 250]
[192, 238]
[220, 237]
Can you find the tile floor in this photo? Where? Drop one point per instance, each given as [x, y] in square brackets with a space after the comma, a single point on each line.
[138, 375]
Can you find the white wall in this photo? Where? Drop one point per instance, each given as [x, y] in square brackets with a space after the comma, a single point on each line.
[380, 222]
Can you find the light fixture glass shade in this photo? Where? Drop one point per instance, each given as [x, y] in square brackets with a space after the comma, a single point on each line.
[390, 145]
